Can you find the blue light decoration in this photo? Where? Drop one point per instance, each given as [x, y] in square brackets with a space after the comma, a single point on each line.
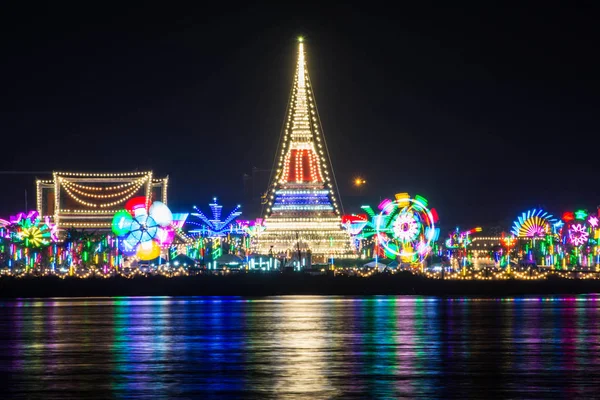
[302, 200]
[215, 227]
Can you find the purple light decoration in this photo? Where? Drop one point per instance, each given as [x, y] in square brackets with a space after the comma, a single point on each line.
[32, 215]
[384, 204]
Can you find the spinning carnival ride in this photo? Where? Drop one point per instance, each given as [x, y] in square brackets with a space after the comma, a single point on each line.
[403, 230]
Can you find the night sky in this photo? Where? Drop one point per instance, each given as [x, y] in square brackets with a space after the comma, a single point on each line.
[484, 111]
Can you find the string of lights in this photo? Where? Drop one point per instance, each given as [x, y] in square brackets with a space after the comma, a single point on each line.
[302, 209]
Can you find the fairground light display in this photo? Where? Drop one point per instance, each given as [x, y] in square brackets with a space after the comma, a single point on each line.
[458, 243]
[403, 230]
[25, 238]
[221, 240]
[71, 230]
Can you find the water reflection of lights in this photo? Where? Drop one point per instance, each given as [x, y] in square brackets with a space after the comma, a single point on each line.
[300, 343]
[301, 347]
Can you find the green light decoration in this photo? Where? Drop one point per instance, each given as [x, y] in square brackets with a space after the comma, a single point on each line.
[581, 215]
[121, 223]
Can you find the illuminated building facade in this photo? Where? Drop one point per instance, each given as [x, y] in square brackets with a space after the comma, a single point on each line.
[90, 200]
[302, 211]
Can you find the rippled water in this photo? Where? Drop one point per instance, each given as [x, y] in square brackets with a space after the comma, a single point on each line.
[300, 347]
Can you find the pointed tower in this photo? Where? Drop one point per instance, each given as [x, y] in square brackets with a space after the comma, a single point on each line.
[302, 211]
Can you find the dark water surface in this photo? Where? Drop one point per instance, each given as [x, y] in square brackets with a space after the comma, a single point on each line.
[300, 347]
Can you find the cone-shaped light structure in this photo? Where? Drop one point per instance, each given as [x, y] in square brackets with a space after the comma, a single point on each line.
[302, 209]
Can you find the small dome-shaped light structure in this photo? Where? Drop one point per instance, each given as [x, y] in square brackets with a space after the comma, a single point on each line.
[161, 213]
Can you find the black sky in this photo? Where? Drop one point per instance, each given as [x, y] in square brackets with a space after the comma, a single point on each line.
[486, 111]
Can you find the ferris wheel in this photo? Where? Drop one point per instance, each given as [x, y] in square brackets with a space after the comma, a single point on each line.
[405, 227]
[535, 223]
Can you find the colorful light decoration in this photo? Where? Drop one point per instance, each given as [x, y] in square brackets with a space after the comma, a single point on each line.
[301, 206]
[31, 231]
[576, 228]
[354, 224]
[534, 223]
[252, 228]
[405, 227]
[214, 227]
[143, 231]
[578, 234]
[508, 242]
[580, 215]
[460, 239]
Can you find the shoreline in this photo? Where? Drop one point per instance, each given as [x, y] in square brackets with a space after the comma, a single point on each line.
[281, 284]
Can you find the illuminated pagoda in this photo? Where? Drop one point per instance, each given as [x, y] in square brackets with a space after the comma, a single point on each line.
[90, 200]
[302, 211]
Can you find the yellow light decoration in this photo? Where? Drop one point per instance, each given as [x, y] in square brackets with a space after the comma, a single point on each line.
[98, 194]
[148, 250]
[107, 188]
[125, 192]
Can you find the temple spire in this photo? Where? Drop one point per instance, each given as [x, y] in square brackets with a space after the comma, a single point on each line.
[302, 201]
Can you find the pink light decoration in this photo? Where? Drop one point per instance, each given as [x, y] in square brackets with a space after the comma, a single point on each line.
[384, 204]
[53, 229]
[593, 221]
[165, 236]
[422, 248]
[578, 234]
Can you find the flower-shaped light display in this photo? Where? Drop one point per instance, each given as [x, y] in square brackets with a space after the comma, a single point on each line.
[406, 227]
[143, 231]
[578, 234]
[31, 231]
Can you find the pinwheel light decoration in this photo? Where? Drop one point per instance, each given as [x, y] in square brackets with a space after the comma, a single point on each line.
[31, 231]
[143, 230]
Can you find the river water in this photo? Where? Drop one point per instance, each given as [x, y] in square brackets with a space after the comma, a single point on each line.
[300, 347]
